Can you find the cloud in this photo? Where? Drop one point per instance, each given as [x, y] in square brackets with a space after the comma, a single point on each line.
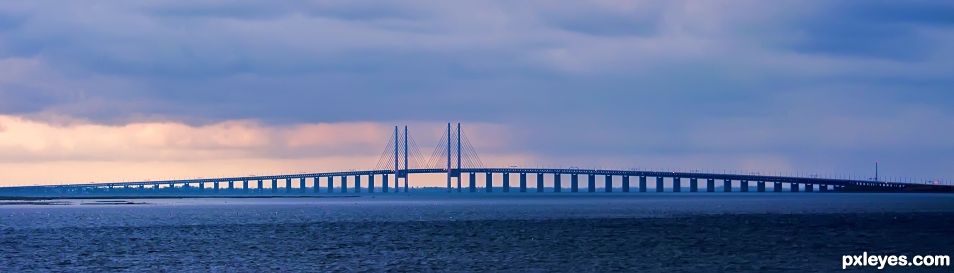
[77, 150]
[800, 84]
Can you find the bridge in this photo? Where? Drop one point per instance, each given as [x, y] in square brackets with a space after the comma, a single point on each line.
[456, 157]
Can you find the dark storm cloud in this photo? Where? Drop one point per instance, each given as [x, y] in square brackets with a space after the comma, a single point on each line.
[874, 29]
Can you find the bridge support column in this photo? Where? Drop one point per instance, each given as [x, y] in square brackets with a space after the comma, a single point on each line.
[676, 184]
[591, 183]
[384, 183]
[625, 183]
[523, 182]
[357, 183]
[288, 183]
[301, 184]
[693, 185]
[274, 185]
[760, 186]
[506, 182]
[809, 187]
[331, 184]
[557, 182]
[344, 184]
[777, 186]
[201, 186]
[744, 186]
[316, 183]
[539, 182]
[710, 185]
[489, 181]
[794, 187]
[215, 186]
[574, 183]
[371, 183]
[473, 182]
[642, 184]
[659, 184]
[231, 185]
[245, 185]
[608, 183]
[727, 185]
[822, 188]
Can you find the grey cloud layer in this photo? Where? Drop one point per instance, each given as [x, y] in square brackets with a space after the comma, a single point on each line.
[814, 83]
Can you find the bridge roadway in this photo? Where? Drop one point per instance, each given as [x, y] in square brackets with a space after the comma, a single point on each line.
[556, 175]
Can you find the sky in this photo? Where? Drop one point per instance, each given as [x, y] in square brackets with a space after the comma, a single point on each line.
[137, 90]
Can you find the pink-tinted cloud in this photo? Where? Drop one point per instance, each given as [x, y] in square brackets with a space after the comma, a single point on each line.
[40, 151]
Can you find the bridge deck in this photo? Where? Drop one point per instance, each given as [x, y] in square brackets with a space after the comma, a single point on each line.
[549, 171]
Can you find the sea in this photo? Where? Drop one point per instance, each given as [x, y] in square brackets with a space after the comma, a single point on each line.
[466, 232]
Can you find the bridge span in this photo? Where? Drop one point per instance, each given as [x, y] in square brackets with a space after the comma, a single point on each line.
[518, 180]
[455, 157]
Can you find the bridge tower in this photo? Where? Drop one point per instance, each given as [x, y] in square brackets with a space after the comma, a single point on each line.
[452, 153]
[395, 158]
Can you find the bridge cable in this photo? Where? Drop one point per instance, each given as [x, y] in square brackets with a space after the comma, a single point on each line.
[387, 156]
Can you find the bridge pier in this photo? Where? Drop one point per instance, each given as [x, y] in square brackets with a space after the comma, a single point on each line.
[710, 185]
[245, 185]
[316, 183]
[659, 184]
[231, 185]
[201, 186]
[489, 181]
[523, 182]
[777, 186]
[744, 186]
[676, 184]
[344, 184]
[625, 183]
[591, 183]
[809, 187]
[693, 185]
[371, 183]
[288, 183]
[574, 183]
[760, 186]
[794, 187]
[727, 185]
[331, 184]
[642, 184]
[301, 184]
[822, 188]
[506, 182]
[473, 182]
[215, 186]
[384, 183]
[608, 183]
[557, 182]
[357, 183]
[539, 182]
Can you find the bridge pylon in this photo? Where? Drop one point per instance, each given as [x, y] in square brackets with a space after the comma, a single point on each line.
[397, 158]
[453, 153]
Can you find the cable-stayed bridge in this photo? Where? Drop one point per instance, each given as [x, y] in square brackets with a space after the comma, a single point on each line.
[455, 156]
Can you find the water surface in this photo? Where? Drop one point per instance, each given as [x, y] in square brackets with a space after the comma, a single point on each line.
[482, 232]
